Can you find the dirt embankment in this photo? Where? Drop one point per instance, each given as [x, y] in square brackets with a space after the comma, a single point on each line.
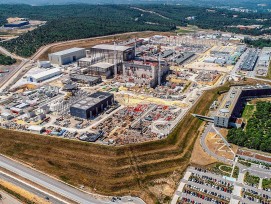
[136, 169]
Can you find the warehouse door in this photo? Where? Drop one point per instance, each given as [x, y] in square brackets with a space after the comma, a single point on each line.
[74, 58]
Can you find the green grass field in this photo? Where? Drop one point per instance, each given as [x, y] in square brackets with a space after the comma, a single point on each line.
[266, 183]
[251, 179]
[248, 111]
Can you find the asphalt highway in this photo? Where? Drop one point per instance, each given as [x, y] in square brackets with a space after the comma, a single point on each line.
[48, 182]
[54, 185]
[30, 189]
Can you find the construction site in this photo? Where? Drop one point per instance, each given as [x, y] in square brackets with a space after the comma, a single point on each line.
[118, 93]
[136, 94]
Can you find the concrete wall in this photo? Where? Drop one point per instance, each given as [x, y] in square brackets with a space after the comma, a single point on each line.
[67, 58]
[93, 110]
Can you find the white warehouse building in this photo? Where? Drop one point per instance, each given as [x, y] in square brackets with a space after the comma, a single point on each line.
[42, 76]
[67, 56]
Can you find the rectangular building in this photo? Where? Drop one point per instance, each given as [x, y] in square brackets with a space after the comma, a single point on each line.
[183, 57]
[250, 60]
[16, 24]
[90, 80]
[42, 76]
[92, 105]
[123, 53]
[144, 73]
[102, 69]
[67, 56]
[232, 106]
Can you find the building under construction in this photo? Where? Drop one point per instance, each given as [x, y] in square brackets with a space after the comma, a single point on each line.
[107, 53]
[106, 59]
[145, 73]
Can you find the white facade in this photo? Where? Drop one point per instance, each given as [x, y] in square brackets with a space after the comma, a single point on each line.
[44, 64]
[42, 76]
[36, 128]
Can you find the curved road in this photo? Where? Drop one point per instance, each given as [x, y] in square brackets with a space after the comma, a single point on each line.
[253, 169]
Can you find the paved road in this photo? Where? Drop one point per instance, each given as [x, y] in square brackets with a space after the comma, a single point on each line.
[47, 182]
[6, 52]
[9, 78]
[46, 47]
[29, 188]
[8, 199]
[207, 150]
[57, 186]
[253, 169]
[194, 198]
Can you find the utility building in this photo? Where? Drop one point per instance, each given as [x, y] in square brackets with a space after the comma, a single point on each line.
[250, 60]
[92, 105]
[90, 80]
[16, 24]
[67, 56]
[42, 76]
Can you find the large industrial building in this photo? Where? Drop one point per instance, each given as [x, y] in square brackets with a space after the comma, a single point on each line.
[250, 60]
[92, 105]
[264, 59]
[67, 56]
[45, 75]
[108, 51]
[16, 24]
[183, 57]
[101, 59]
[232, 106]
[145, 73]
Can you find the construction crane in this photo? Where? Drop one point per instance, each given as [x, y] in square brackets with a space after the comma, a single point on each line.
[115, 61]
[159, 69]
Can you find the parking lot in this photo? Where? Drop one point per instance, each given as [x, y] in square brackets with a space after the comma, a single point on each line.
[200, 186]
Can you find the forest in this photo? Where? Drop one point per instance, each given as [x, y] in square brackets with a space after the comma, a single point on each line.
[258, 43]
[257, 133]
[68, 22]
[6, 60]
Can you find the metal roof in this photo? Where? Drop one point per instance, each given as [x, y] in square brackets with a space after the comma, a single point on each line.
[68, 51]
[91, 100]
[35, 128]
[46, 73]
[111, 47]
[17, 22]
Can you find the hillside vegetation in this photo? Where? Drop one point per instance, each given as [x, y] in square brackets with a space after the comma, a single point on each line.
[257, 134]
[67, 22]
[110, 170]
[76, 22]
[6, 60]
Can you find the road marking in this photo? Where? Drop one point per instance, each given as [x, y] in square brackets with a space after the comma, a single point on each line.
[38, 189]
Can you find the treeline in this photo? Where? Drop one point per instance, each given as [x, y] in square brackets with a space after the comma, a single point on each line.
[257, 134]
[70, 22]
[6, 60]
[214, 18]
[67, 22]
[258, 43]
